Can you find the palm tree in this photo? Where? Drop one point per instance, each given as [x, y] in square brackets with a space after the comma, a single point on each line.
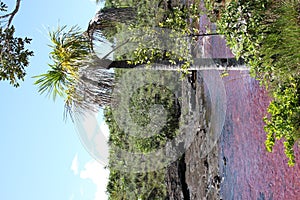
[81, 77]
[69, 75]
[77, 74]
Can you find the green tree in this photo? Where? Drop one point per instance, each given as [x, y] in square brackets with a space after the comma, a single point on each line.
[70, 73]
[14, 57]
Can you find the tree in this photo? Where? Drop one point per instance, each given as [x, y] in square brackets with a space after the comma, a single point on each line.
[70, 75]
[80, 76]
[83, 79]
[14, 57]
[77, 74]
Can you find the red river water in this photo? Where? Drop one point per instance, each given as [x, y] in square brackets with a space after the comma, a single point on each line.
[250, 171]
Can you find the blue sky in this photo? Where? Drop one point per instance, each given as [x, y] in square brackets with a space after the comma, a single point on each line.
[41, 154]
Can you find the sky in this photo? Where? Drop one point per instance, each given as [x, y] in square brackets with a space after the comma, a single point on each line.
[41, 154]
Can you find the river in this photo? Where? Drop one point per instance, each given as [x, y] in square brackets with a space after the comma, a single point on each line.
[247, 170]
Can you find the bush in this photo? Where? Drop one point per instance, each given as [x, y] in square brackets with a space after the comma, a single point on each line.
[284, 119]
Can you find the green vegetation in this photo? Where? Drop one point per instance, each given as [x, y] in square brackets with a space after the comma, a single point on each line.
[282, 52]
[14, 57]
[129, 184]
[141, 102]
[127, 179]
[284, 121]
[157, 21]
[266, 34]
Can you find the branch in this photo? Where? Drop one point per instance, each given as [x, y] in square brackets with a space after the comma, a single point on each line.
[12, 14]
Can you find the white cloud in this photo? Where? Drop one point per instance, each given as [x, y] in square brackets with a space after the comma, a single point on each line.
[74, 165]
[98, 175]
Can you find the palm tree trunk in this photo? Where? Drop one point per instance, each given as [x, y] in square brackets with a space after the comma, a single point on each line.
[207, 64]
[199, 64]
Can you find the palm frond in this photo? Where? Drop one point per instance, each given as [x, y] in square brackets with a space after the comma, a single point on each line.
[69, 48]
[54, 82]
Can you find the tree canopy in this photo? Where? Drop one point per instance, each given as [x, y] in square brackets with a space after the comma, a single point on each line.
[14, 57]
[73, 74]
